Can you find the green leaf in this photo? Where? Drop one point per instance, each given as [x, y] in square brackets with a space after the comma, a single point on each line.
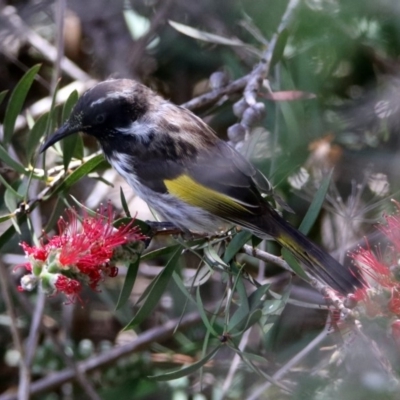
[10, 188]
[316, 205]
[160, 252]
[212, 258]
[124, 203]
[10, 232]
[242, 313]
[279, 47]
[176, 374]
[6, 217]
[16, 166]
[3, 94]
[158, 288]
[253, 318]
[178, 281]
[79, 173]
[130, 279]
[69, 105]
[69, 143]
[16, 102]
[37, 131]
[255, 298]
[203, 314]
[294, 264]
[205, 36]
[10, 199]
[238, 241]
[272, 306]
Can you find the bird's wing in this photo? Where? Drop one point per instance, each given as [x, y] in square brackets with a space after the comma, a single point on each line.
[218, 180]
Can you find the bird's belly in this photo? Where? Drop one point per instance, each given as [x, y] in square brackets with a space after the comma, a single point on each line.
[174, 210]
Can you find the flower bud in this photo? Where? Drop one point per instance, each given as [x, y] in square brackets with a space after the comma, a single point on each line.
[253, 114]
[218, 80]
[239, 107]
[29, 282]
[236, 133]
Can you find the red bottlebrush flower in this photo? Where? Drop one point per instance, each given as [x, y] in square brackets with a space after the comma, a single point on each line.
[382, 292]
[70, 287]
[38, 253]
[84, 251]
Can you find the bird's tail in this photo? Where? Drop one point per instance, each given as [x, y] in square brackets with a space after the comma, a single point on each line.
[315, 260]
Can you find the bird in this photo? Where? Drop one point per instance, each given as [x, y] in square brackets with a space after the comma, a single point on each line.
[176, 163]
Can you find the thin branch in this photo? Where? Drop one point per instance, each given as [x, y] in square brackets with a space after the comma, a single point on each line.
[59, 20]
[327, 292]
[81, 377]
[294, 361]
[43, 46]
[234, 364]
[262, 70]
[143, 341]
[24, 373]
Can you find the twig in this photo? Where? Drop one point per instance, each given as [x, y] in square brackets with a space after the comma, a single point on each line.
[328, 293]
[256, 78]
[211, 97]
[43, 46]
[143, 341]
[59, 19]
[234, 364]
[294, 361]
[136, 57]
[24, 374]
[265, 256]
[33, 338]
[81, 377]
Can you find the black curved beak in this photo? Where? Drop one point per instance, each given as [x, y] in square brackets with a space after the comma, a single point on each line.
[59, 134]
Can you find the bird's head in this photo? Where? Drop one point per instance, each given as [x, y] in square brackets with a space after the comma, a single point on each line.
[105, 111]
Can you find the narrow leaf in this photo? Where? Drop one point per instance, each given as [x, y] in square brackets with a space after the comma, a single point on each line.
[316, 205]
[6, 217]
[16, 166]
[160, 252]
[242, 313]
[3, 94]
[69, 105]
[203, 315]
[205, 36]
[10, 189]
[69, 143]
[213, 259]
[38, 130]
[130, 279]
[10, 199]
[160, 284]
[124, 202]
[176, 374]
[279, 47]
[80, 172]
[10, 232]
[255, 298]
[16, 102]
[238, 241]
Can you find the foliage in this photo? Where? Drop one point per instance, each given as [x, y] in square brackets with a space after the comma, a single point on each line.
[207, 314]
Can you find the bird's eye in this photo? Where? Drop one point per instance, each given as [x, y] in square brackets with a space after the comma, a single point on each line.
[100, 118]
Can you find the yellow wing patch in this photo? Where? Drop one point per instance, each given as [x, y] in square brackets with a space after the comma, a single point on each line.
[195, 194]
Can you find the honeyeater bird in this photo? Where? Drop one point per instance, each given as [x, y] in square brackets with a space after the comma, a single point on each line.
[190, 177]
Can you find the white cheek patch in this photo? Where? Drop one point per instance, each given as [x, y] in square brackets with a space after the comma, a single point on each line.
[136, 128]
